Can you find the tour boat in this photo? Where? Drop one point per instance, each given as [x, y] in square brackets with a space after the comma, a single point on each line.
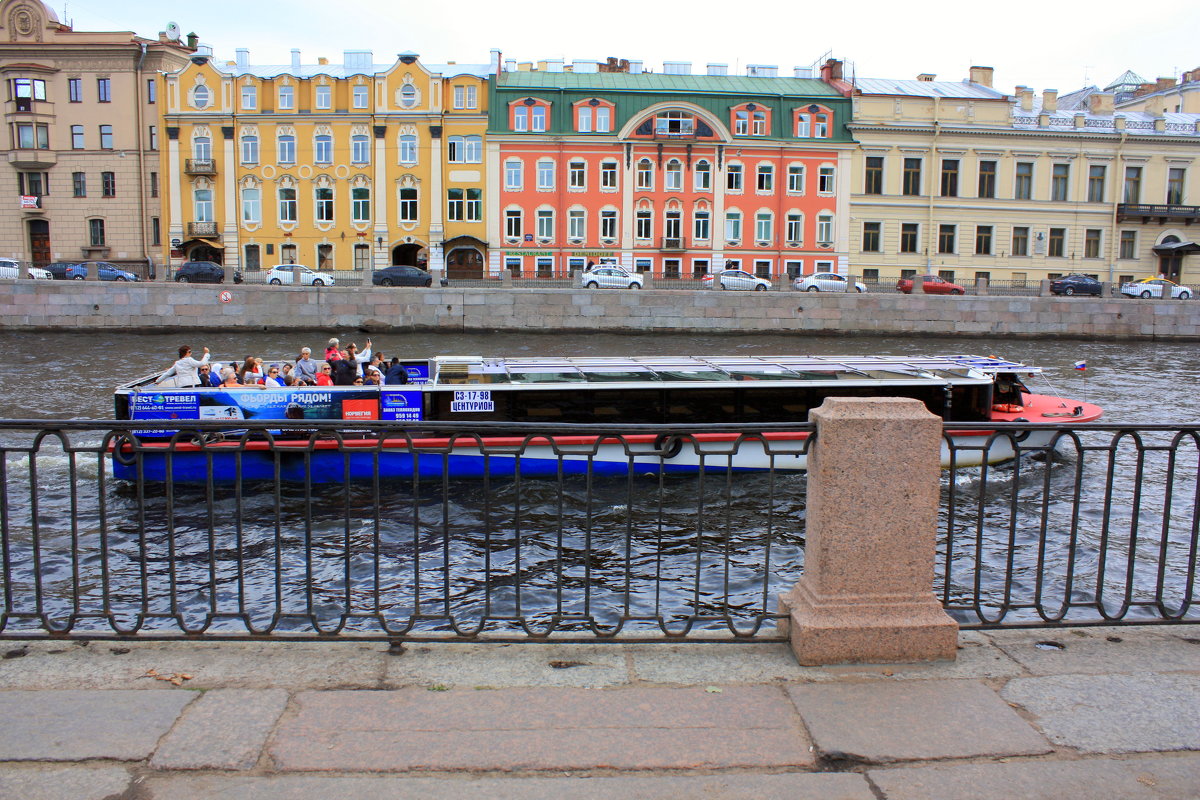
[444, 420]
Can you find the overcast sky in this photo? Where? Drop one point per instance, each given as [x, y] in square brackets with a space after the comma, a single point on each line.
[1046, 44]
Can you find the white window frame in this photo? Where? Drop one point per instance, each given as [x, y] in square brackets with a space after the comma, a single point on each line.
[408, 149]
[576, 223]
[702, 176]
[603, 119]
[251, 204]
[287, 204]
[608, 223]
[202, 200]
[795, 227]
[803, 126]
[733, 225]
[545, 223]
[323, 207]
[360, 149]
[764, 226]
[409, 206]
[250, 149]
[514, 175]
[474, 207]
[827, 180]
[576, 175]
[537, 118]
[323, 97]
[645, 175]
[285, 145]
[795, 180]
[249, 97]
[673, 176]
[764, 179]
[286, 98]
[361, 96]
[323, 149]
[701, 226]
[644, 225]
[583, 122]
[609, 176]
[825, 228]
[360, 204]
[545, 175]
[514, 223]
[734, 174]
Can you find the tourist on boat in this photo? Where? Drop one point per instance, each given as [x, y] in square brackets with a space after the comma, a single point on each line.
[229, 378]
[210, 375]
[306, 368]
[333, 350]
[249, 373]
[374, 377]
[396, 373]
[324, 375]
[351, 352]
[186, 369]
[285, 370]
[345, 369]
[272, 379]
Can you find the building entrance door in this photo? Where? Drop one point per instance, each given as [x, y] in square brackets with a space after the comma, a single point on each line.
[1170, 266]
[39, 241]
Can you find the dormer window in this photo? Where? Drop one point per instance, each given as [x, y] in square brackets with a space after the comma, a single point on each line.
[529, 115]
[674, 123]
[813, 122]
[750, 119]
[593, 116]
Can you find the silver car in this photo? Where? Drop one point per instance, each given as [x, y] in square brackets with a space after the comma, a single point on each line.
[824, 282]
[609, 278]
[282, 274]
[737, 279]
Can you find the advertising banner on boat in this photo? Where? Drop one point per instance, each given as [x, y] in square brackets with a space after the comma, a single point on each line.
[238, 404]
[401, 405]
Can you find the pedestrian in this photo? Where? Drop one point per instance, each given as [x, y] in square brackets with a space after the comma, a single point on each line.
[186, 370]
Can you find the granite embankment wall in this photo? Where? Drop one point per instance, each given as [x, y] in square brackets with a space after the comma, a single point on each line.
[71, 305]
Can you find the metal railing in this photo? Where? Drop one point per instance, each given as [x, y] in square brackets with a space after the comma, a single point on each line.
[1095, 524]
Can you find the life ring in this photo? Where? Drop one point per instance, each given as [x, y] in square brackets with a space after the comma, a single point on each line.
[118, 450]
[668, 445]
[1008, 408]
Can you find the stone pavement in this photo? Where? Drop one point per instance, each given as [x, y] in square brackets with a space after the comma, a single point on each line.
[1088, 713]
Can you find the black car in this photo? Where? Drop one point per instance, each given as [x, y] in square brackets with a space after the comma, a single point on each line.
[1075, 284]
[203, 272]
[401, 275]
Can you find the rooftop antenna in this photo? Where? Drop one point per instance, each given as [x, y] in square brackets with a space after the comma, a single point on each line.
[1087, 79]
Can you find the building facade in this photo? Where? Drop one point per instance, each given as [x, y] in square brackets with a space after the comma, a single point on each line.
[350, 166]
[83, 132]
[672, 174]
[961, 180]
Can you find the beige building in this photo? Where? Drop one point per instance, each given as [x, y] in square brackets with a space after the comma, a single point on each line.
[83, 128]
[959, 179]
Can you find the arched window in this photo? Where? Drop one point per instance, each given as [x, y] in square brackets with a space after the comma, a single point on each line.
[702, 176]
[408, 149]
[251, 205]
[645, 175]
[360, 149]
[323, 149]
[733, 225]
[825, 228]
[764, 226]
[673, 176]
[202, 148]
[249, 149]
[203, 203]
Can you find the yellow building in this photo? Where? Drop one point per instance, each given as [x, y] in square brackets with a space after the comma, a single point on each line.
[958, 179]
[350, 166]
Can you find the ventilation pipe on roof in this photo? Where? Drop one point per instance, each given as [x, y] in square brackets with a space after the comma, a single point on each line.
[295, 59]
[927, 77]
[718, 69]
[677, 68]
[802, 72]
[243, 58]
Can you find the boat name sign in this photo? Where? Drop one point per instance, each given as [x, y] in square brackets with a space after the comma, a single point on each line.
[472, 400]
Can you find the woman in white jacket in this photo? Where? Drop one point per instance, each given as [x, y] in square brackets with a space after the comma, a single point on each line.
[186, 369]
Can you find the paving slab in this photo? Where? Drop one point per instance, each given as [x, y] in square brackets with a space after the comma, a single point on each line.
[1137, 712]
[515, 729]
[55, 782]
[886, 721]
[795, 786]
[1158, 777]
[1096, 651]
[504, 665]
[224, 729]
[73, 725]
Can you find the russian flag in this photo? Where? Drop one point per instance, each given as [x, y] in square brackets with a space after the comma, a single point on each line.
[1081, 365]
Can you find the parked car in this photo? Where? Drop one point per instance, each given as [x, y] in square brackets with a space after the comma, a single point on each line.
[1076, 284]
[282, 274]
[203, 272]
[403, 275]
[737, 279]
[109, 272]
[1153, 287]
[824, 282]
[67, 271]
[608, 277]
[934, 284]
[11, 268]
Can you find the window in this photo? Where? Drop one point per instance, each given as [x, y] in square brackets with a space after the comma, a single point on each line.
[1020, 241]
[251, 205]
[474, 205]
[1056, 246]
[360, 96]
[983, 240]
[1175, 177]
[79, 184]
[287, 97]
[104, 90]
[201, 96]
[249, 98]
[871, 236]
[946, 235]
[765, 180]
[520, 118]
[324, 204]
[733, 226]
[576, 223]
[608, 175]
[106, 137]
[987, 178]
[701, 227]
[360, 149]
[153, 137]
[910, 233]
[733, 177]
[603, 119]
[825, 229]
[249, 149]
[323, 149]
[155, 231]
[644, 226]
[645, 175]
[1060, 179]
[324, 97]
[513, 223]
[96, 232]
[949, 177]
[912, 176]
[764, 226]
[795, 184]
[608, 224]
[360, 204]
[873, 179]
[108, 184]
[408, 205]
[1023, 188]
[514, 175]
[673, 176]
[585, 120]
[1096, 175]
[287, 205]
[33, 183]
[545, 175]
[33, 136]
[825, 180]
[408, 149]
[795, 228]
[287, 253]
[545, 223]
[203, 205]
[741, 123]
[758, 123]
[408, 96]
[154, 184]
[26, 90]
[821, 126]
[674, 123]
[465, 149]
[77, 137]
[1091, 243]
[202, 148]
[465, 97]
[287, 149]
[545, 267]
[75, 90]
[455, 205]
[537, 118]
[577, 175]
[702, 176]
[1128, 244]
[802, 126]
[673, 227]
[513, 265]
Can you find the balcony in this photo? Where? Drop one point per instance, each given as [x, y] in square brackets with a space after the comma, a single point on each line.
[200, 166]
[672, 243]
[32, 158]
[1162, 214]
[203, 230]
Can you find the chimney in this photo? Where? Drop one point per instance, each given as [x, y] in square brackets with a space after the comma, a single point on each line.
[495, 63]
[982, 76]
[1101, 104]
[585, 66]
[718, 69]
[831, 70]
[635, 67]
[1164, 83]
[927, 77]
[1050, 100]
[677, 68]
[1025, 94]
[243, 58]
[295, 60]
[802, 72]
[322, 61]
[510, 65]
[554, 65]
[762, 70]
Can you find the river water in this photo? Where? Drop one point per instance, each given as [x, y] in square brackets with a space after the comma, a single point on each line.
[604, 551]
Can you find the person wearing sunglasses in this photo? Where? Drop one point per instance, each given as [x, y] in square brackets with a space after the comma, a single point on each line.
[324, 375]
[272, 379]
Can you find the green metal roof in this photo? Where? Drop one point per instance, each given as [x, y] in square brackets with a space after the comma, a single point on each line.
[654, 82]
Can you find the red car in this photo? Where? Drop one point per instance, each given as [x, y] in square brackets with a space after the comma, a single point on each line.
[933, 285]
